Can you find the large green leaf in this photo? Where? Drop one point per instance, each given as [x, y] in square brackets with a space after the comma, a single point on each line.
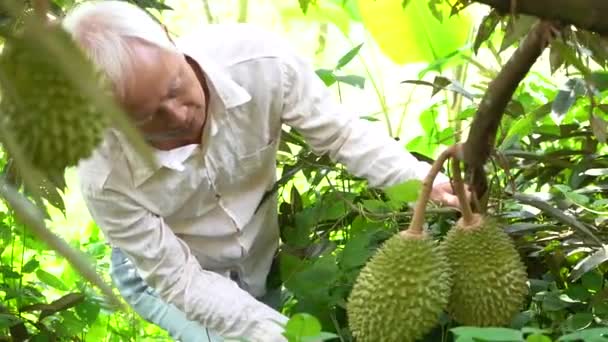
[413, 34]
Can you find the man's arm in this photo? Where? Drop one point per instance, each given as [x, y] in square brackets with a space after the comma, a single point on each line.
[365, 149]
[166, 264]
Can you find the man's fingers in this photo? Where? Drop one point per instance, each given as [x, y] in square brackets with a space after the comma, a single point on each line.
[450, 200]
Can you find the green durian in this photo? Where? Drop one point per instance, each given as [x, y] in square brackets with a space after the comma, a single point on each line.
[50, 119]
[401, 291]
[489, 279]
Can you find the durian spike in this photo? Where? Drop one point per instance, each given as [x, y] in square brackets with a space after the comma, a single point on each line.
[465, 206]
[416, 226]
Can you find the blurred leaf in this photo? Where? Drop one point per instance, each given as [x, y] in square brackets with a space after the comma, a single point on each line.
[344, 60]
[589, 263]
[88, 311]
[486, 28]
[301, 325]
[516, 29]
[50, 280]
[538, 338]
[315, 280]
[30, 266]
[8, 320]
[442, 83]
[598, 126]
[592, 334]
[389, 24]
[327, 76]
[488, 334]
[593, 281]
[357, 250]
[321, 12]
[353, 80]
[404, 192]
[555, 58]
[569, 56]
[578, 321]
[565, 98]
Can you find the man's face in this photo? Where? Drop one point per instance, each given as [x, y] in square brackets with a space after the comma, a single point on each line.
[164, 97]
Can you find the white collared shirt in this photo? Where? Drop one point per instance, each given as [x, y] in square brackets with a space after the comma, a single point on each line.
[189, 222]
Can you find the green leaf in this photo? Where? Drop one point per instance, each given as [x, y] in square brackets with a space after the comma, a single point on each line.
[8, 320]
[517, 29]
[352, 80]
[593, 334]
[578, 321]
[486, 28]
[489, 334]
[377, 206]
[50, 280]
[327, 76]
[569, 56]
[315, 280]
[589, 263]
[429, 38]
[565, 98]
[578, 292]
[88, 311]
[357, 250]
[593, 281]
[538, 338]
[301, 325]
[30, 266]
[405, 192]
[552, 302]
[344, 60]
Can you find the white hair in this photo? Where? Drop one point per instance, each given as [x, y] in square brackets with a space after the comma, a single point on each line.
[105, 30]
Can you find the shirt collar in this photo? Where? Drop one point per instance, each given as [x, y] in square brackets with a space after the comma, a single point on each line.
[224, 93]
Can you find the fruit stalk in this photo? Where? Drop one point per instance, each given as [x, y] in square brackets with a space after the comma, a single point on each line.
[417, 223]
[465, 206]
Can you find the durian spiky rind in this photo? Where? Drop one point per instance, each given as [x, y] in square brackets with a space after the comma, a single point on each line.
[55, 125]
[489, 277]
[401, 292]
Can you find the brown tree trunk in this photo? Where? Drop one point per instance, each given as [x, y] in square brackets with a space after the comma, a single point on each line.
[585, 14]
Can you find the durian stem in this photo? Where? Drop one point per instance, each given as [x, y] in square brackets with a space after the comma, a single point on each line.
[427, 186]
[465, 206]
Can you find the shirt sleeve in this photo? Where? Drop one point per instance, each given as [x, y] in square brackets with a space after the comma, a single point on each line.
[365, 149]
[166, 264]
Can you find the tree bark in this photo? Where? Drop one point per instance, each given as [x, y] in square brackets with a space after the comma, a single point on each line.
[585, 14]
[482, 136]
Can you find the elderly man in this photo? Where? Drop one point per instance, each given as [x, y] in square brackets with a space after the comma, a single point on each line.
[190, 251]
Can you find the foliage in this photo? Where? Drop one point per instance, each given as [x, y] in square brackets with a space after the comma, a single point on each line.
[546, 182]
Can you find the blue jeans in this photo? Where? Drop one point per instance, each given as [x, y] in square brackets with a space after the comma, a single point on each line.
[147, 303]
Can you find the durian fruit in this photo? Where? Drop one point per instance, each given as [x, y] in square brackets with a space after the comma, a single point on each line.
[401, 291]
[52, 122]
[489, 278]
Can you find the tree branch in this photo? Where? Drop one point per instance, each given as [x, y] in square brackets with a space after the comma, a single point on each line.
[482, 136]
[585, 14]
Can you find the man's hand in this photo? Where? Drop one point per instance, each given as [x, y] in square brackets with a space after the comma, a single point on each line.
[443, 194]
